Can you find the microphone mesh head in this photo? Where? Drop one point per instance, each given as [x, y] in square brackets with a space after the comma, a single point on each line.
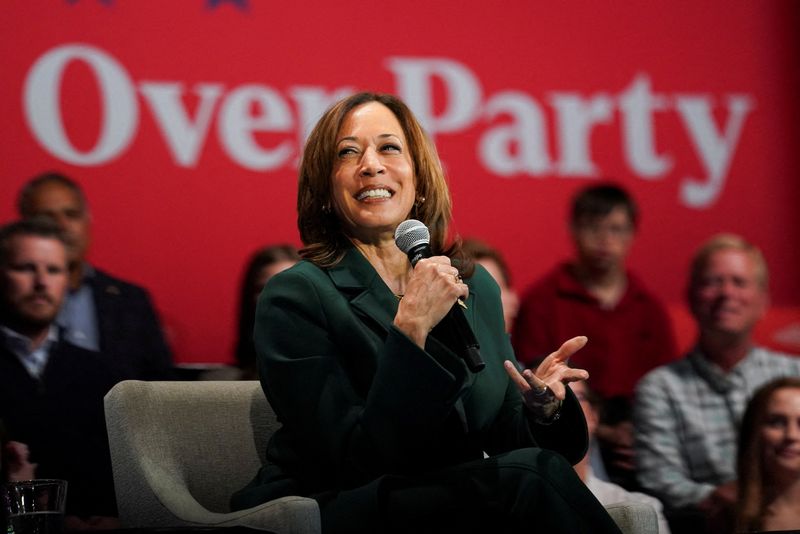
[411, 233]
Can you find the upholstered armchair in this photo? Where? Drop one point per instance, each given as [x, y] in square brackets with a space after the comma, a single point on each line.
[180, 449]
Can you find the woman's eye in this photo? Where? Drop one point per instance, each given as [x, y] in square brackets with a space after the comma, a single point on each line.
[346, 151]
[776, 421]
[390, 148]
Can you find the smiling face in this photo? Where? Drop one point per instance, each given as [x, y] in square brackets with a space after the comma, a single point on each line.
[727, 296]
[780, 434]
[373, 181]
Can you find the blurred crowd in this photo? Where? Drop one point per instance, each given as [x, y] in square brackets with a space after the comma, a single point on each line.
[667, 429]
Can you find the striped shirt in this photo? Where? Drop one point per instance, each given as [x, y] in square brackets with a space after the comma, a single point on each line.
[687, 415]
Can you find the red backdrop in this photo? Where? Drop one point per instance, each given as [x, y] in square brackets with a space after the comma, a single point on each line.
[184, 120]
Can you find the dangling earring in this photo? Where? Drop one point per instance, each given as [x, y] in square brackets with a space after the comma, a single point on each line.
[419, 202]
[326, 208]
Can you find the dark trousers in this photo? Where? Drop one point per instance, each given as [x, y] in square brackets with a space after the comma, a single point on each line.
[527, 490]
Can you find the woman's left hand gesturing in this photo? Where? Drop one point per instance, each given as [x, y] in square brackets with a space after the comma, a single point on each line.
[553, 373]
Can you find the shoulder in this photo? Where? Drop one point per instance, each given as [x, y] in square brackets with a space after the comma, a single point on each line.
[482, 280]
[303, 273]
[302, 285]
[104, 283]
[641, 292]
[779, 361]
[669, 376]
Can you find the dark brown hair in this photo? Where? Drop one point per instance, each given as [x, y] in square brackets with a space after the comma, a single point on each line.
[26, 193]
[599, 200]
[753, 482]
[321, 231]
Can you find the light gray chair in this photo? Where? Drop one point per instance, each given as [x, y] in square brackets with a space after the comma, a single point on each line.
[180, 449]
[634, 517]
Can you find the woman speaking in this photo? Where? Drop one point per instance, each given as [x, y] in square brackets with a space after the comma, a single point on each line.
[383, 422]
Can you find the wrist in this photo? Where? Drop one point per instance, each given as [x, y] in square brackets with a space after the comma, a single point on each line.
[413, 330]
[544, 405]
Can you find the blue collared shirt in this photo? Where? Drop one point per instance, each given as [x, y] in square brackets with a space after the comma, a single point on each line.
[33, 359]
[78, 315]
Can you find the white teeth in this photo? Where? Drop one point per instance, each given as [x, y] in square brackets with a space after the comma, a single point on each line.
[374, 193]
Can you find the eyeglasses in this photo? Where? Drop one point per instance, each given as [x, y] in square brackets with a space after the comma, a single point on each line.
[616, 231]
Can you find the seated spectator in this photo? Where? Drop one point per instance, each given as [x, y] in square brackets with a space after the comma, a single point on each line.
[687, 413]
[51, 392]
[493, 261]
[606, 492]
[769, 459]
[384, 424]
[263, 264]
[101, 313]
[596, 295]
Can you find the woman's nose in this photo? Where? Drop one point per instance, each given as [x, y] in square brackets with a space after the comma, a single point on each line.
[370, 163]
[793, 431]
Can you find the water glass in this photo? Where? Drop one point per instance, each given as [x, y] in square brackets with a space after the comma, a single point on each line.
[35, 506]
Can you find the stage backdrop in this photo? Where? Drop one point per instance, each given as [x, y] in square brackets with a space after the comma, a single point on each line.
[184, 122]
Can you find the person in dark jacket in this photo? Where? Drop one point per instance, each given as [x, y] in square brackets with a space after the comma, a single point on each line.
[383, 422]
[51, 392]
[101, 312]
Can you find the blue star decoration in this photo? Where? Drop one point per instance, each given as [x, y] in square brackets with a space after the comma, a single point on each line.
[241, 4]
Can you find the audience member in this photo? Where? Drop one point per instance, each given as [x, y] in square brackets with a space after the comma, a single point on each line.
[595, 295]
[100, 313]
[263, 264]
[769, 459]
[384, 424]
[51, 392]
[687, 412]
[606, 492]
[493, 261]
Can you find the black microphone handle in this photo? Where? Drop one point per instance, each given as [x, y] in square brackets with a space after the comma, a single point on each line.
[454, 320]
[470, 352]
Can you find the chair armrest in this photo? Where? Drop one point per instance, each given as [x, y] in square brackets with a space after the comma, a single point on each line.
[634, 517]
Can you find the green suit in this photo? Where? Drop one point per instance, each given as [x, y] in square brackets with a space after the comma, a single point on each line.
[365, 411]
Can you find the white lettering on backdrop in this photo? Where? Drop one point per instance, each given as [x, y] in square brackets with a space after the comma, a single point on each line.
[514, 143]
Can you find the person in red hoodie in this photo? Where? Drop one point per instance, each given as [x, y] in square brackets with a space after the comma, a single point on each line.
[594, 294]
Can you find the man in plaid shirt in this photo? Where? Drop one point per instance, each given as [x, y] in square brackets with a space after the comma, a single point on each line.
[687, 413]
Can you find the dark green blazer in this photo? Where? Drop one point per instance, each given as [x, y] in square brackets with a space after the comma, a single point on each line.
[358, 399]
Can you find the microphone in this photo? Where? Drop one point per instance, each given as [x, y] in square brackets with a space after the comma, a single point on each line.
[413, 238]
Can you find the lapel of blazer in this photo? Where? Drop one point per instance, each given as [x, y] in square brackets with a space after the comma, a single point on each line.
[369, 296]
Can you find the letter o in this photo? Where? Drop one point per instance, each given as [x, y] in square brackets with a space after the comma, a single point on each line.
[120, 112]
